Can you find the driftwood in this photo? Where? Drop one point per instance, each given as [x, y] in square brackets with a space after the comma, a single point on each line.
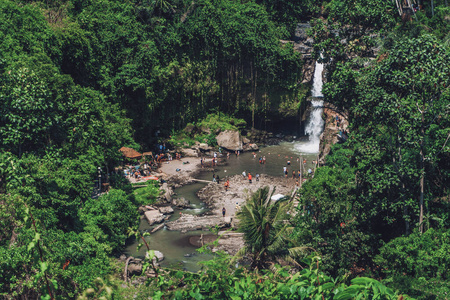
[157, 228]
[125, 274]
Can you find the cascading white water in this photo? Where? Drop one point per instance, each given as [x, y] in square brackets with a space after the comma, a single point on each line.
[315, 122]
[317, 80]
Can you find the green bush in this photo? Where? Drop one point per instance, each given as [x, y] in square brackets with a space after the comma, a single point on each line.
[109, 217]
[205, 131]
[417, 255]
[147, 195]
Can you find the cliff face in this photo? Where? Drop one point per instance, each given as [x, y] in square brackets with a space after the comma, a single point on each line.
[304, 44]
[333, 132]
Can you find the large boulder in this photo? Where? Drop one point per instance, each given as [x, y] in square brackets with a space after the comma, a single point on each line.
[230, 140]
[167, 192]
[166, 210]
[154, 216]
[181, 202]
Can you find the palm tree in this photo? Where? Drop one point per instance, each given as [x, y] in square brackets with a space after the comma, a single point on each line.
[265, 224]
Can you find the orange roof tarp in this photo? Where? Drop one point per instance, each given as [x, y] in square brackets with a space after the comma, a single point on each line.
[130, 153]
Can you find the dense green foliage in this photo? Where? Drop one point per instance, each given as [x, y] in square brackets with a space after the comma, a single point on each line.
[391, 177]
[80, 79]
[147, 195]
[204, 131]
[218, 279]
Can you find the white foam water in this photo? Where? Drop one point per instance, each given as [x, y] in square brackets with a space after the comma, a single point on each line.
[314, 125]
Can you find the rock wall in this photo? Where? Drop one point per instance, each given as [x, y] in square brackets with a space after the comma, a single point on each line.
[330, 135]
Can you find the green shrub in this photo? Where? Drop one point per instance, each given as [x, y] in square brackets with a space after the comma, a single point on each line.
[147, 195]
[109, 217]
[417, 255]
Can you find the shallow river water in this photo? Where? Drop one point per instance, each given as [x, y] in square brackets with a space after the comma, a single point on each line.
[175, 245]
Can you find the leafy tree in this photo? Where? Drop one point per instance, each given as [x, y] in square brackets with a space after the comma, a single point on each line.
[109, 217]
[417, 264]
[334, 220]
[263, 222]
[399, 118]
[27, 111]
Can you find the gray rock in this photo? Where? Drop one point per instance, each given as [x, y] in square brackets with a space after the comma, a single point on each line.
[166, 210]
[181, 202]
[142, 209]
[134, 269]
[230, 140]
[190, 152]
[189, 222]
[167, 192]
[204, 147]
[159, 257]
[154, 217]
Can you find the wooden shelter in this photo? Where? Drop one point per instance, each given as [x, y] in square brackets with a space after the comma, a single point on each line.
[130, 153]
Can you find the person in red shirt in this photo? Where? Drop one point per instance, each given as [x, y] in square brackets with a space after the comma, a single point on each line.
[249, 177]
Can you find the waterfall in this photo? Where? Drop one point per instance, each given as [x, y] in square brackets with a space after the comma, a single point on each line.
[317, 80]
[314, 125]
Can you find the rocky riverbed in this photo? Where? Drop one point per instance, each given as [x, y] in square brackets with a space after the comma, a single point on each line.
[214, 195]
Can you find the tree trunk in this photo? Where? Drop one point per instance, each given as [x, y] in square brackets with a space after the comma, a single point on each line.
[422, 174]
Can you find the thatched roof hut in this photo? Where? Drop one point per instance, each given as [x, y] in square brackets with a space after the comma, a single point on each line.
[130, 153]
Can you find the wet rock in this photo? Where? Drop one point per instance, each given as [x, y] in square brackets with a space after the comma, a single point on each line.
[190, 222]
[167, 192]
[154, 217]
[166, 210]
[330, 133]
[181, 202]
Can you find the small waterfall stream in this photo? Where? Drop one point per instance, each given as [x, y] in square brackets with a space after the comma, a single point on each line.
[315, 123]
